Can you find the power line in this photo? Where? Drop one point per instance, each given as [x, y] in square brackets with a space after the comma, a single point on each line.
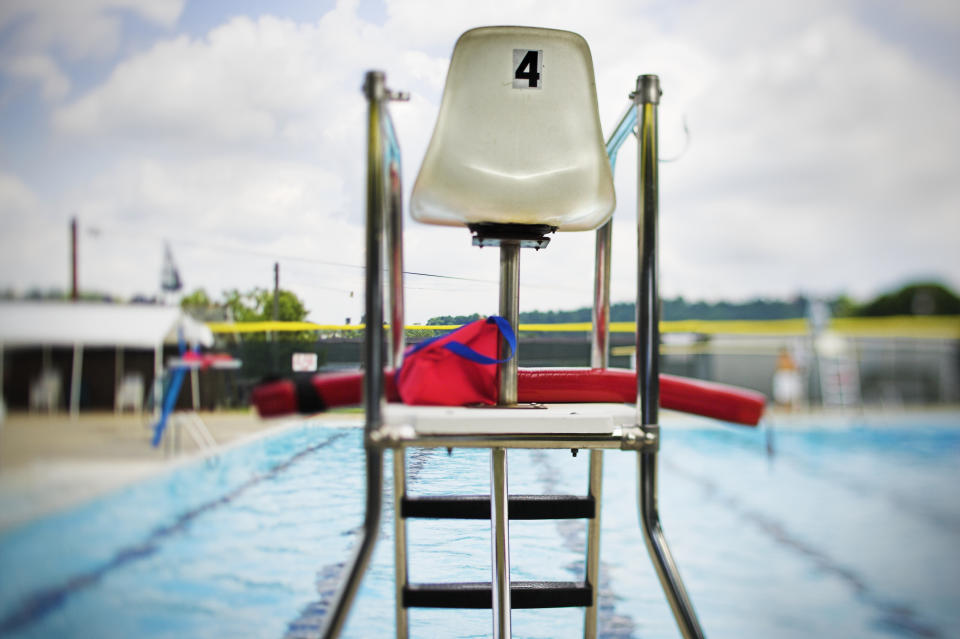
[313, 260]
[214, 246]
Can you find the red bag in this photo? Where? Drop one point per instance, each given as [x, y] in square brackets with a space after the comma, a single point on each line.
[456, 369]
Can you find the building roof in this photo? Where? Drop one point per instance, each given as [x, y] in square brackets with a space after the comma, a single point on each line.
[28, 323]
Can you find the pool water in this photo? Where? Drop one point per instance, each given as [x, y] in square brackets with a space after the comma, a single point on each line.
[848, 529]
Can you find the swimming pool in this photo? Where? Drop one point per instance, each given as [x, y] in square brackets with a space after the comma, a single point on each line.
[850, 529]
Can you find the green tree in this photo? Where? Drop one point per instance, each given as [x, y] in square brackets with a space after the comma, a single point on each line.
[843, 306]
[197, 299]
[921, 298]
[445, 320]
[256, 305]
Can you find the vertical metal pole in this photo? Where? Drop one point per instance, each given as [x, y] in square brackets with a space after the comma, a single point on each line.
[46, 358]
[648, 303]
[394, 223]
[400, 539]
[509, 309]
[500, 543]
[600, 339]
[507, 371]
[276, 291]
[595, 490]
[75, 380]
[117, 376]
[157, 380]
[375, 90]
[74, 290]
[195, 388]
[599, 358]
[647, 97]
[3, 401]
[395, 260]
[276, 311]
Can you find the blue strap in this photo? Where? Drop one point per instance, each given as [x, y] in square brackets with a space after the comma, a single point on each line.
[466, 352]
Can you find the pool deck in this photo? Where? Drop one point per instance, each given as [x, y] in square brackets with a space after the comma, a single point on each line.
[50, 462]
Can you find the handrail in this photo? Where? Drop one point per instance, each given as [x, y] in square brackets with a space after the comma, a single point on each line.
[600, 330]
[628, 121]
[646, 99]
[195, 427]
[394, 228]
[383, 214]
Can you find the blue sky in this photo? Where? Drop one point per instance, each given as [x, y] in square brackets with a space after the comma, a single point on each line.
[822, 155]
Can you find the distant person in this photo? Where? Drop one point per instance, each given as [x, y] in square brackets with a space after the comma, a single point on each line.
[786, 381]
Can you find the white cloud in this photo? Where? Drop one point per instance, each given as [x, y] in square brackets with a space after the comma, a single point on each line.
[815, 165]
[41, 69]
[16, 199]
[942, 12]
[42, 31]
[245, 81]
[821, 155]
[228, 218]
[33, 248]
[233, 195]
[79, 28]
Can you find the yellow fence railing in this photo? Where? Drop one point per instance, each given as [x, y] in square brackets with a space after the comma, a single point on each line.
[918, 327]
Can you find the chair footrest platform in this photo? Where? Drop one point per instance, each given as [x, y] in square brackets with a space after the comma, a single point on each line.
[523, 594]
[519, 507]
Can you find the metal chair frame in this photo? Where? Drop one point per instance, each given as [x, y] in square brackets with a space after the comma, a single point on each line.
[384, 239]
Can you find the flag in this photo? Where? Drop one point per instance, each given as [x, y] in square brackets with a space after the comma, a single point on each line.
[170, 276]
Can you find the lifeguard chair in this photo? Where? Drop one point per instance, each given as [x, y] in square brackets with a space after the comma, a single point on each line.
[517, 154]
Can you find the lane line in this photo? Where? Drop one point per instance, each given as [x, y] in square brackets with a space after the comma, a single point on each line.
[895, 616]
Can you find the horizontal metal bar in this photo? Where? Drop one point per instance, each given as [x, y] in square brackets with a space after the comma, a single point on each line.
[519, 507]
[523, 594]
[621, 438]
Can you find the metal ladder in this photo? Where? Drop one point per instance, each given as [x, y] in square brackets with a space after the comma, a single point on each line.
[526, 594]
[640, 433]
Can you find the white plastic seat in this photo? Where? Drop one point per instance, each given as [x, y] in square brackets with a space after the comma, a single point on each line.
[130, 392]
[45, 391]
[518, 137]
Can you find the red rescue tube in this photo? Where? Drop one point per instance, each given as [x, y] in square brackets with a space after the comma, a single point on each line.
[587, 385]
[315, 394]
[542, 385]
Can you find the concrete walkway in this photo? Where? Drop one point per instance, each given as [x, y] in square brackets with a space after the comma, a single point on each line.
[49, 462]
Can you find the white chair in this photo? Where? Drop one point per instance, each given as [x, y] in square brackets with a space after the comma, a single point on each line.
[518, 138]
[130, 392]
[45, 391]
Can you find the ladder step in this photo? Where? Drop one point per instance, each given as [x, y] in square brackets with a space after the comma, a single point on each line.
[519, 507]
[523, 594]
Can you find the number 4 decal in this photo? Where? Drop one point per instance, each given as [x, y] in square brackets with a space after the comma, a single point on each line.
[527, 67]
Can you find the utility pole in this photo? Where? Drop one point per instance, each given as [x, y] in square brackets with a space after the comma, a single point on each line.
[74, 295]
[276, 291]
[276, 312]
